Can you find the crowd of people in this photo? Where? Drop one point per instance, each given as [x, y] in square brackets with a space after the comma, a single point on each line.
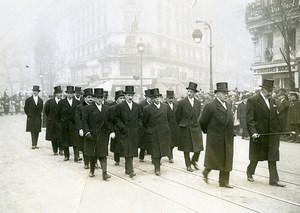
[92, 125]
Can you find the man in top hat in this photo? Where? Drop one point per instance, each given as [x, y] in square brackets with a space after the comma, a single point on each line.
[262, 118]
[156, 119]
[217, 122]
[241, 116]
[293, 119]
[53, 127]
[33, 108]
[78, 94]
[173, 125]
[88, 99]
[282, 109]
[143, 136]
[128, 119]
[115, 143]
[96, 130]
[187, 117]
[106, 102]
[66, 115]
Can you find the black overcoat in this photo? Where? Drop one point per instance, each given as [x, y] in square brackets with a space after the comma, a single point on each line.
[96, 123]
[34, 116]
[262, 120]
[241, 114]
[143, 135]
[156, 123]
[217, 123]
[66, 115]
[187, 117]
[115, 143]
[174, 127]
[79, 124]
[53, 126]
[129, 123]
[282, 109]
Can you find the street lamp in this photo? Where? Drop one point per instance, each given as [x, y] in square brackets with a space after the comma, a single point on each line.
[197, 36]
[141, 48]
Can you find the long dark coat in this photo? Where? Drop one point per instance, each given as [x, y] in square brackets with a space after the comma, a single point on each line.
[129, 123]
[282, 109]
[96, 123]
[174, 126]
[79, 124]
[66, 115]
[33, 112]
[156, 123]
[261, 120]
[217, 123]
[143, 135]
[53, 126]
[241, 114]
[115, 144]
[187, 117]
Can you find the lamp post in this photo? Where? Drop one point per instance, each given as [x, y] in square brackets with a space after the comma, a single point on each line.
[141, 48]
[197, 36]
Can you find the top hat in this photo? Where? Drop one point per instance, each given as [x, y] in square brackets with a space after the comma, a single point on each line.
[222, 87]
[77, 89]
[70, 89]
[98, 92]
[57, 89]
[118, 94]
[129, 90]
[154, 92]
[147, 92]
[88, 91]
[36, 88]
[293, 93]
[170, 94]
[267, 84]
[192, 86]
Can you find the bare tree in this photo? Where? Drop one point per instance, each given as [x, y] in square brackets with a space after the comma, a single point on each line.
[284, 15]
[5, 50]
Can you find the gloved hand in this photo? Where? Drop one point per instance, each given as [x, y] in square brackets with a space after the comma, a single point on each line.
[89, 136]
[255, 136]
[81, 132]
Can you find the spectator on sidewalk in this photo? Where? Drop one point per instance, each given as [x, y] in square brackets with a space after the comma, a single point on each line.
[294, 116]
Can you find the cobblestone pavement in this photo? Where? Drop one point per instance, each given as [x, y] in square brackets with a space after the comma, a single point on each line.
[38, 181]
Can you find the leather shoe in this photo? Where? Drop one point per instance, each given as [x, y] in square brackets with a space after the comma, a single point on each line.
[86, 166]
[250, 178]
[55, 153]
[66, 159]
[61, 152]
[91, 174]
[171, 161]
[33, 147]
[205, 177]
[142, 160]
[195, 165]
[132, 174]
[157, 173]
[37, 147]
[277, 184]
[226, 186]
[127, 172]
[105, 176]
[117, 163]
[189, 169]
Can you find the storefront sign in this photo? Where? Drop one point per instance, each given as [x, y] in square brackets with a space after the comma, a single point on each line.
[274, 69]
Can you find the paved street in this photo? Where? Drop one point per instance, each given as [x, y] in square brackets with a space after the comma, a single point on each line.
[38, 181]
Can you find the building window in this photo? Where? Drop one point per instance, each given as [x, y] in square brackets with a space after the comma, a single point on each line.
[268, 44]
[292, 39]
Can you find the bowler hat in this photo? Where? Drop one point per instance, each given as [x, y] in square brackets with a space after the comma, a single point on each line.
[154, 92]
[129, 90]
[70, 89]
[118, 94]
[98, 92]
[293, 93]
[170, 94]
[222, 87]
[192, 86]
[147, 92]
[35, 88]
[77, 90]
[88, 91]
[267, 84]
[57, 89]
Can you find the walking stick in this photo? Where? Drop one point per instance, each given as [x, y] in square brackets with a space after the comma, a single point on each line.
[277, 133]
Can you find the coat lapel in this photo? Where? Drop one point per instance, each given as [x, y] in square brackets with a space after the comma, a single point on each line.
[262, 102]
[220, 106]
[187, 104]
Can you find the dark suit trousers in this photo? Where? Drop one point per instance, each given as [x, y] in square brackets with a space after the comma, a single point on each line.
[117, 157]
[273, 178]
[156, 162]
[56, 145]
[67, 151]
[34, 138]
[223, 176]
[129, 165]
[188, 160]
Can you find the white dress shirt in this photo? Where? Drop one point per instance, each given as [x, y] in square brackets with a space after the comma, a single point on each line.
[157, 105]
[99, 107]
[223, 103]
[35, 98]
[266, 100]
[191, 100]
[70, 101]
[130, 105]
